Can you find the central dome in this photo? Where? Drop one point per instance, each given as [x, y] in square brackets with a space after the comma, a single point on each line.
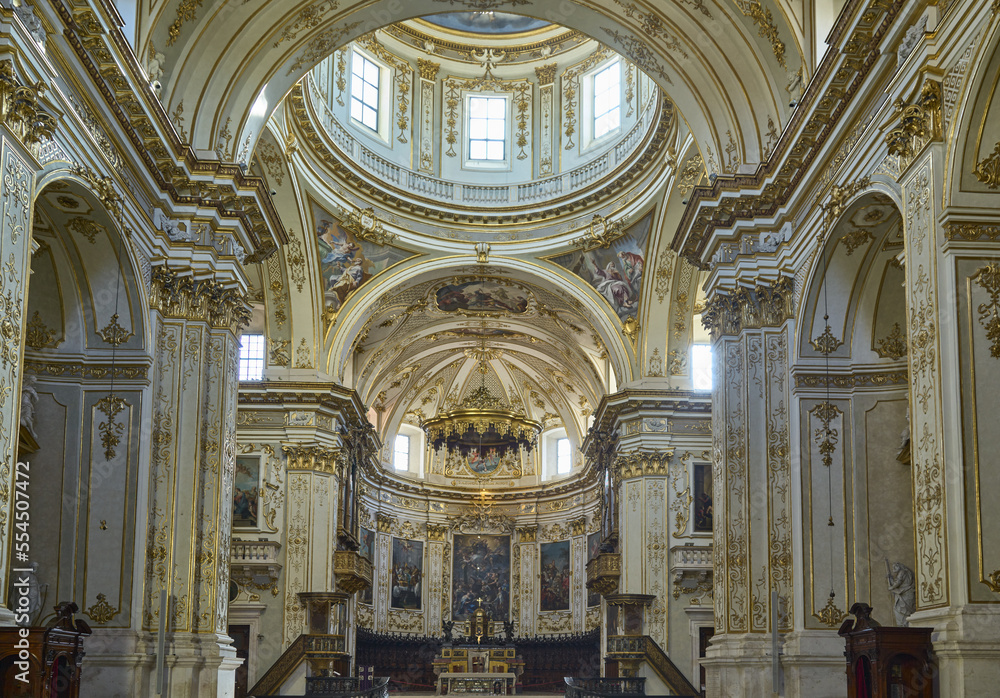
[486, 22]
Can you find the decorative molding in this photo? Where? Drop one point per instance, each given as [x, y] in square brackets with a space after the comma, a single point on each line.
[840, 196]
[437, 532]
[527, 534]
[86, 227]
[820, 380]
[993, 581]
[971, 232]
[383, 522]
[367, 226]
[988, 278]
[893, 345]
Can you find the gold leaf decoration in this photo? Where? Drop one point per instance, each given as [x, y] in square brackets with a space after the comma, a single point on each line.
[826, 343]
[38, 335]
[988, 170]
[766, 27]
[86, 227]
[855, 239]
[993, 582]
[102, 612]
[111, 431]
[989, 280]
[892, 346]
[113, 333]
[830, 615]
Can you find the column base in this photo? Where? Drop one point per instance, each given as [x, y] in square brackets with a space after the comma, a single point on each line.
[122, 663]
[738, 666]
[966, 642]
[814, 665]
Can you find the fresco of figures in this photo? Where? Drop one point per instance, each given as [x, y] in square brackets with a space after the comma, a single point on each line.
[345, 262]
[246, 487]
[615, 271]
[702, 497]
[367, 549]
[593, 548]
[482, 296]
[481, 570]
[555, 576]
[407, 573]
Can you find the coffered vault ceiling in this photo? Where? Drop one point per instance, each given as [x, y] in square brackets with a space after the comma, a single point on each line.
[418, 352]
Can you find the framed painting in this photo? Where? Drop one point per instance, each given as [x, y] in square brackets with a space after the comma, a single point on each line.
[474, 296]
[703, 497]
[480, 574]
[367, 549]
[593, 548]
[246, 492]
[555, 576]
[407, 574]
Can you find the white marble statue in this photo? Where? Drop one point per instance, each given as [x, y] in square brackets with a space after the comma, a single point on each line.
[904, 591]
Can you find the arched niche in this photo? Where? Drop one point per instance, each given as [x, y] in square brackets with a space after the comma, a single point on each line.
[86, 366]
[851, 382]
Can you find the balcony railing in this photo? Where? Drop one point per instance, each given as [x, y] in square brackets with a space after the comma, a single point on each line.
[517, 194]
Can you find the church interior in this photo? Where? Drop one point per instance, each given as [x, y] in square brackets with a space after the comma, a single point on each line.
[596, 347]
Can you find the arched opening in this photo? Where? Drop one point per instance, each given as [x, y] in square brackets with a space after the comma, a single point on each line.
[852, 381]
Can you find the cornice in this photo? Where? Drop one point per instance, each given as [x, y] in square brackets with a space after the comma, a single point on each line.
[856, 38]
[630, 401]
[108, 59]
[326, 395]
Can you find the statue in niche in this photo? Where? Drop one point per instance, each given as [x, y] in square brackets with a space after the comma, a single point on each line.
[29, 401]
[903, 589]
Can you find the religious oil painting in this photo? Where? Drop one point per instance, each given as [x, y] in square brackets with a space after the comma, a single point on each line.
[483, 463]
[482, 296]
[703, 497]
[480, 574]
[407, 573]
[367, 549]
[246, 488]
[345, 261]
[555, 575]
[593, 549]
[615, 271]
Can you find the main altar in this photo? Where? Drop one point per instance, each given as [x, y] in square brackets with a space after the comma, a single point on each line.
[480, 663]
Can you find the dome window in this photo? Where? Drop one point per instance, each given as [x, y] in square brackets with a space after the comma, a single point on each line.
[487, 129]
[365, 79]
[607, 100]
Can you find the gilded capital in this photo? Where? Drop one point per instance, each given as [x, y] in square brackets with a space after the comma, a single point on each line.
[383, 522]
[436, 532]
[428, 69]
[639, 463]
[919, 122]
[527, 534]
[546, 74]
[319, 459]
[177, 294]
[21, 109]
[578, 526]
[765, 305]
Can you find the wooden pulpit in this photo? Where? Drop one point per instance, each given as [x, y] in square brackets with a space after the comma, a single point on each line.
[886, 662]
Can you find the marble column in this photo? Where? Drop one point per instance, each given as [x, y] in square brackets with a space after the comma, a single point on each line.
[191, 478]
[751, 331]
